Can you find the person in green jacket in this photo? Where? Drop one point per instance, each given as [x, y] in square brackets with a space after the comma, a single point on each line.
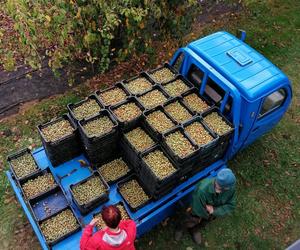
[212, 197]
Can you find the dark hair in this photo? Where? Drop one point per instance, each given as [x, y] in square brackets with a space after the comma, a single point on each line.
[111, 216]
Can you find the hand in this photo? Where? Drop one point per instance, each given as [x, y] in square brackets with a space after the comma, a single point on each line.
[210, 209]
[93, 222]
[189, 210]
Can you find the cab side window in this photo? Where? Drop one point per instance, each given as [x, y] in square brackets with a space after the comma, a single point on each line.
[272, 102]
[195, 76]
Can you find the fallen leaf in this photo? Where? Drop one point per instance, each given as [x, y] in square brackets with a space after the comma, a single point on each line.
[82, 163]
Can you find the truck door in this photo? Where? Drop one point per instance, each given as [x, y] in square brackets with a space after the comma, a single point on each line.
[271, 110]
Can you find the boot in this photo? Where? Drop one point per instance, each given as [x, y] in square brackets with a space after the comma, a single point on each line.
[178, 234]
[196, 235]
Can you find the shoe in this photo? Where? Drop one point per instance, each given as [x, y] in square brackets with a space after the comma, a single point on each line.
[178, 235]
[196, 235]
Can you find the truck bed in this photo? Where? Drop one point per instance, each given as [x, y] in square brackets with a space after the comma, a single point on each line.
[146, 218]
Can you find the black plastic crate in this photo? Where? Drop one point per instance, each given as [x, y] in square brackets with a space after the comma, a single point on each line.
[151, 181]
[125, 125]
[184, 80]
[141, 75]
[47, 204]
[117, 85]
[16, 155]
[196, 91]
[85, 208]
[179, 100]
[33, 176]
[131, 153]
[71, 106]
[156, 87]
[224, 137]
[51, 243]
[98, 141]
[114, 157]
[203, 148]
[63, 149]
[151, 130]
[98, 155]
[180, 161]
[129, 178]
[121, 203]
[166, 65]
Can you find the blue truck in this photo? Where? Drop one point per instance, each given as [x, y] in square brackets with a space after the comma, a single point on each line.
[249, 91]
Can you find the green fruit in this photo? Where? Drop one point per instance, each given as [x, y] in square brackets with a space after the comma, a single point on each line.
[159, 164]
[195, 103]
[133, 193]
[159, 121]
[57, 130]
[89, 190]
[152, 99]
[86, 109]
[38, 185]
[139, 139]
[217, 124]
[178, 112]
[98, 127]
[127, 112]
[59, 225]
[139, 85]
[113, 170]
[23, 165]
[179, 144]
[176, 88]
[112, 96]
[162, 75]
[198, 133]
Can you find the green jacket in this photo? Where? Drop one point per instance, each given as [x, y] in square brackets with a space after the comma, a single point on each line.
[204, 194]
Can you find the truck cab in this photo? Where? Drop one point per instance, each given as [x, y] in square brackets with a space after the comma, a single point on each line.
[249, 90]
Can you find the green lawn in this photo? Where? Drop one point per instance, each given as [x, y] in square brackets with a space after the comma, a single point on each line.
[268, 211]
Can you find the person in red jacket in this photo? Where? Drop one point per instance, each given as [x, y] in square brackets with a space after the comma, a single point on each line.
[118, 235]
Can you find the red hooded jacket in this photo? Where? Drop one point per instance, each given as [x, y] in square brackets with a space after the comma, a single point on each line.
[107, 240]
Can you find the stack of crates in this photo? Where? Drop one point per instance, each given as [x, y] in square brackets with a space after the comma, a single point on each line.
[162, 91]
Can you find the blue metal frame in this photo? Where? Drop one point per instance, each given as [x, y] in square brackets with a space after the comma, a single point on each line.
[146, 217]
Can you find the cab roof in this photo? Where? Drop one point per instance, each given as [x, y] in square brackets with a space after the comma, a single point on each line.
[249, 71]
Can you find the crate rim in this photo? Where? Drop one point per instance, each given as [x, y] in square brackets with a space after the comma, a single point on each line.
[17, 154]
[34, 176]
[86, 206]
[177, 157]
[199, 119]
[101, 114]
[142, 74]
[216, 109]
[160, 148]
[115, 85]
[165, 65]
[141, 184]
[49, 123]
[71, 106]
[51, 243]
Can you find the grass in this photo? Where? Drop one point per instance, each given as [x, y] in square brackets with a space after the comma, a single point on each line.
[267, 215]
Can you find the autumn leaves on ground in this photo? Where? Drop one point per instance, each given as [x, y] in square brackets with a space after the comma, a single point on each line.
[267, 215]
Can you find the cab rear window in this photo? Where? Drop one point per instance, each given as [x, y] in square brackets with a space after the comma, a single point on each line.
[195, 76]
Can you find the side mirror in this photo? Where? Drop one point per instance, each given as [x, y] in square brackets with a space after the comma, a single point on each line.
[242, 35]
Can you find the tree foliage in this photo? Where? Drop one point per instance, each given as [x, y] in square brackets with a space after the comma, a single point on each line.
[94, 30]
